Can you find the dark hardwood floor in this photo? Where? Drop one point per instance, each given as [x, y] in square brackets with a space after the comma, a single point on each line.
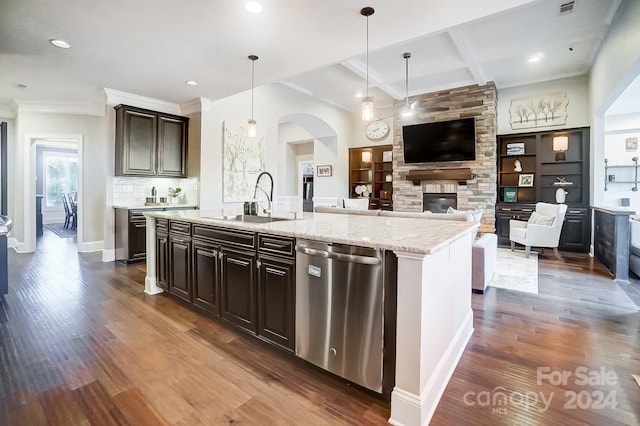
[80, 343]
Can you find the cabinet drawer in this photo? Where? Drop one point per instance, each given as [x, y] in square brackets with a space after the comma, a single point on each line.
[162, 224]
[180, 227]
[275, 245]
[226, 236]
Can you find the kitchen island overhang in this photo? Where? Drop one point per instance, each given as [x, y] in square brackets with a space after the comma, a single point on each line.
[434, 316]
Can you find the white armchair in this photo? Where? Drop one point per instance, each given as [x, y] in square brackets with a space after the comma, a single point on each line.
[541, 230]
[356, 203]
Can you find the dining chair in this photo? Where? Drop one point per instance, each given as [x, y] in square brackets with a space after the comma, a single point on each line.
[73, 207]
[67, 209]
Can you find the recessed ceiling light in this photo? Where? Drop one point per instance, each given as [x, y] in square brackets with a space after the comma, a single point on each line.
[191, 83]
[253, 7]
[535, 58]
[358, 95]
[60, 43]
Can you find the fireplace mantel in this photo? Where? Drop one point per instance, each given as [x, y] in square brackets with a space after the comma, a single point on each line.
[457, 174]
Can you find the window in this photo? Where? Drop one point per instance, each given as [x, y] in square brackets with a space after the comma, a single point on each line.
[60, 175]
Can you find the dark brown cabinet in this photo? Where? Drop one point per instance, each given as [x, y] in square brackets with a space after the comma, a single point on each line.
[162, 253]
[245, 278]
[205, 276]
[238, 288]
[276, 290]
[180, 260]
[131, 235]
[150, 143]
[532, 154]
[131, 232]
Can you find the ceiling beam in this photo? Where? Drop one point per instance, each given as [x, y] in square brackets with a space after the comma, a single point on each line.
[359, 68]
[466, 53]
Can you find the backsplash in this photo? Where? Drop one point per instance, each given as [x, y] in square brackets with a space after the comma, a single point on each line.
[129, 191]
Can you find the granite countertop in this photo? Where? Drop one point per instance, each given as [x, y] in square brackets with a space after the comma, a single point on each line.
[614, 210]
[158, 206]
[424, 236]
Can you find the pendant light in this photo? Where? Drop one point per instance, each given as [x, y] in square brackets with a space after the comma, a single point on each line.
[406, 110]
[367, 102]
[251, 129]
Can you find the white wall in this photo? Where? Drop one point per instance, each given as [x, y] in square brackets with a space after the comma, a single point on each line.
[576, 88]
[616, 65]
[272, 103]
[95, 167]
[617, 129]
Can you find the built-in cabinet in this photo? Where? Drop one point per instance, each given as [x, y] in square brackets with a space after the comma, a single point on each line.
[131, 232]
[245, 278]
[372, 167]
[150, 143]
[529, 171]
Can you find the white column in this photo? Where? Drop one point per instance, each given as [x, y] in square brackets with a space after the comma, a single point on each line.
[150, 282]
[434, 324]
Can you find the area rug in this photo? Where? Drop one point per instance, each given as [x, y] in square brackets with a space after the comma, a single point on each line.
[60, 230]
[516, 272]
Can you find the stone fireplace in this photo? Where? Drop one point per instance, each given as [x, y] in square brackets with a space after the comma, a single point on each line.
[476, 192]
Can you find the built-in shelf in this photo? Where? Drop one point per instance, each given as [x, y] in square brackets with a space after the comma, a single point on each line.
[633, 166]
[457, 174]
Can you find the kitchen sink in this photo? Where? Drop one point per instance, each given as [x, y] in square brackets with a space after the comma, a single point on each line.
[249, 218]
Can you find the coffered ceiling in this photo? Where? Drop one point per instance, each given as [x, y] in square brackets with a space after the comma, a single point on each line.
[151, 48]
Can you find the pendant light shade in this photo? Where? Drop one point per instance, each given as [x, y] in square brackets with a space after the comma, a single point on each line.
[367, 102]
[406, 110]
[252, 131]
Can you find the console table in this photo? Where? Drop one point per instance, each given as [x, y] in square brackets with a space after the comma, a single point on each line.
[611, 240]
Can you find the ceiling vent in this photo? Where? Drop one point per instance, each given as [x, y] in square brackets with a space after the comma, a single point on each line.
[567, 7]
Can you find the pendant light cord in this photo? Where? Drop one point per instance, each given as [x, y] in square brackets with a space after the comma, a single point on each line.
[253, 69]
[406, 78]
[367, 56]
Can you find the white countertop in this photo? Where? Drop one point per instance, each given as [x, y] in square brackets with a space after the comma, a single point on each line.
[410, 235]
[159, 206]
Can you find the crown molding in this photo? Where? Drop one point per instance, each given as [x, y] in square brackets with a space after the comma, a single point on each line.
[79, 108]
[116, 97]
[192, 107]
[9, 111]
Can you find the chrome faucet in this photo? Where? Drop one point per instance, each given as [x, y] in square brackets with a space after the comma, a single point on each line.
[269, 195]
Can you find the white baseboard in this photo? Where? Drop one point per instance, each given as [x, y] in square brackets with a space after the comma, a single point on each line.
[109, 255]
[90, 246]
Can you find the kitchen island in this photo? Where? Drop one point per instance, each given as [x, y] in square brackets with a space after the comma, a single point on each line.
[434, 317]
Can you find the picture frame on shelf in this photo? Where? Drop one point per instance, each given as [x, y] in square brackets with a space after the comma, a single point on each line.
[515, 148]
[323, 171]
[510, 194]
[525, 180]
[387, 156]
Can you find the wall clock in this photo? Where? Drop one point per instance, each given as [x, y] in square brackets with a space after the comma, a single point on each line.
[377, 130]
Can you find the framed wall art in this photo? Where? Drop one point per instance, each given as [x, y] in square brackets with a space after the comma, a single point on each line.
[323, 171]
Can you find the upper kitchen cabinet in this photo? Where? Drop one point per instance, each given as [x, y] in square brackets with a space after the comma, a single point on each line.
[150, 143]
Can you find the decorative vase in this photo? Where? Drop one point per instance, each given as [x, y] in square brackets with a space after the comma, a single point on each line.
[561, 195]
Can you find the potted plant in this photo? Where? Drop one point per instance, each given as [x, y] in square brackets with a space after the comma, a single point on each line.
[175, 194]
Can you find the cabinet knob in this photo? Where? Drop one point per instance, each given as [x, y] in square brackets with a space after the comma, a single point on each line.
[333, 352]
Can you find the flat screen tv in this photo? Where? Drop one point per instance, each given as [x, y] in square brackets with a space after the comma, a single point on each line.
[440, 141]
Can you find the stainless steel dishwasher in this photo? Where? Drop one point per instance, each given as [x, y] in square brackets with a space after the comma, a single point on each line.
[339, 310]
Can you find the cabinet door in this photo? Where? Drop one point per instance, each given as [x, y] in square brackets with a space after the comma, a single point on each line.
[575, 234]
[172, 146]
[179, 266]
[276, 301]
[135, 142]
[137, 239]
[205, 276]
[162, 257]
[238, 288]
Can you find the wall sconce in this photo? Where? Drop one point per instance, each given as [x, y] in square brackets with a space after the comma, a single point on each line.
[560, 146]
[366, 156]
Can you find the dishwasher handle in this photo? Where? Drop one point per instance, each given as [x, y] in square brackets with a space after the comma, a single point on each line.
[352, 258]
